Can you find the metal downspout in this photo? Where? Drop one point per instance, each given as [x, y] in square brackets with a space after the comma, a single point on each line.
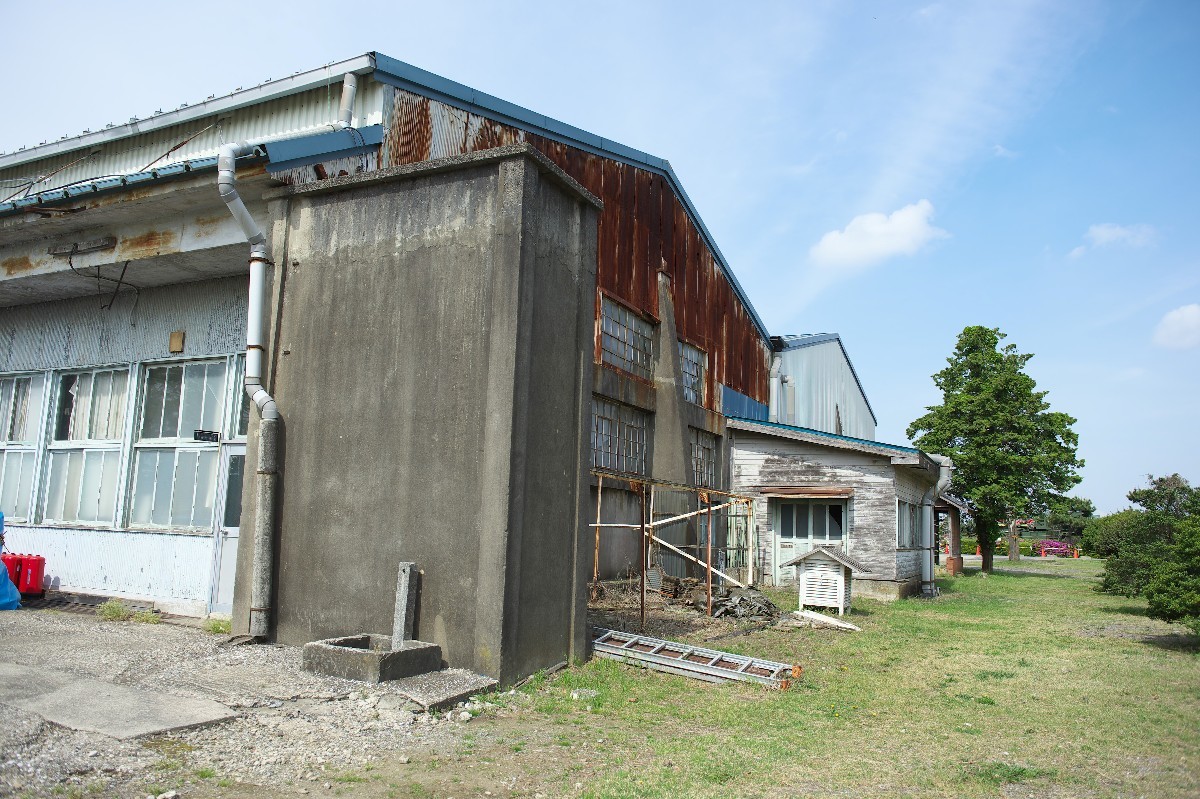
[773, 397]
[945, 466]
[267, 468]
[346, 107]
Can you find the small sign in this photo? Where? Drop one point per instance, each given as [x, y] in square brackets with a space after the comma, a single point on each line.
[206, 435]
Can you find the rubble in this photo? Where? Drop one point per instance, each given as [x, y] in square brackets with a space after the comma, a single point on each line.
[732, 602]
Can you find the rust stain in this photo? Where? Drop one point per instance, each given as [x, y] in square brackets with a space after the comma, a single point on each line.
[16, 265]
[148, 244]
[644, 229]
[208, 225]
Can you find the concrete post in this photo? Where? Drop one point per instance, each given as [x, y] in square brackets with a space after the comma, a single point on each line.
[406, 605]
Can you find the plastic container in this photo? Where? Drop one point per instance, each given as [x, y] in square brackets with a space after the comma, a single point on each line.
[13, 564]
[33, 568]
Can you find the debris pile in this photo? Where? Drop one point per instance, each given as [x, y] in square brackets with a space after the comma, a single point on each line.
[738, 603]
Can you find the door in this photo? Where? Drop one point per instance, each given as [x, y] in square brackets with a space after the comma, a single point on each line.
[802, 524]
[229, 504]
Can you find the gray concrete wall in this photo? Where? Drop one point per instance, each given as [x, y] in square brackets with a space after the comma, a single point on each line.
[432, 372]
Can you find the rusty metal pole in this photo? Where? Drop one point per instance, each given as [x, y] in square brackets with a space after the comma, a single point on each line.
[645, 545]
[596, 556]
[709, 556]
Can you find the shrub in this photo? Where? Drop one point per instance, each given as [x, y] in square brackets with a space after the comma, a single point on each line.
[146, 617]
[114, 610]
[217, 626]
[1173, 591]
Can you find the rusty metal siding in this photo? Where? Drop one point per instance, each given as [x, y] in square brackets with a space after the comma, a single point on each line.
[644, 229]
[72, 333]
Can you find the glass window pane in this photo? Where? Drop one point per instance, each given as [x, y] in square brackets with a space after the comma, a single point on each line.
[192, 405]
[108, 488]
[89, 486]
[70, 510]
[82, 408]
[786, 524]
[10, 483]
[206, 488]
[802, 525]
[66, 405]
[233, 491]
[152, 404]
[6, 414]
[115, 427]
[56, 485]
[143, 486]
[171, 401]
[98, 415]
[164, 477]
[214, 397]
[185, 488]
[835, 523]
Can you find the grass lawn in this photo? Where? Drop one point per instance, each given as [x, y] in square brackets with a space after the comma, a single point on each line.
[1016, 684]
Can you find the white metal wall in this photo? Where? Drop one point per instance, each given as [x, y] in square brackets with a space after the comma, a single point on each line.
[310, 111]
[822, 386]
[172, 569]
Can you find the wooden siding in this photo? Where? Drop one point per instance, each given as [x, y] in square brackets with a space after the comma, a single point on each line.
[644, 229]
[757, 461]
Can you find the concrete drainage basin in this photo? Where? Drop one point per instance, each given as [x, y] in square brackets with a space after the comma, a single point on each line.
[371, 658]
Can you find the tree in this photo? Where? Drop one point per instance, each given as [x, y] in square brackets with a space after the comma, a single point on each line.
[1173, 592]
[1069, 516]
[1012, 454]
[1147, 547]
[1172, 495]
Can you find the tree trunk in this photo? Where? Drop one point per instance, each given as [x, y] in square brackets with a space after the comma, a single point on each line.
[985, 532]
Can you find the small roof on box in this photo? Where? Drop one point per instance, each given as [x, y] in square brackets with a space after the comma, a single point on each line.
[835, 553]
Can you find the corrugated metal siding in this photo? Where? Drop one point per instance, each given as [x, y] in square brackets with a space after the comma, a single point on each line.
[644, 229]
[822, 385]
[160, 566]
[77, 332]
[313, 110]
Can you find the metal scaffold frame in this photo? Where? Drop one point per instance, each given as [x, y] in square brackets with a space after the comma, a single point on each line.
[739, 544]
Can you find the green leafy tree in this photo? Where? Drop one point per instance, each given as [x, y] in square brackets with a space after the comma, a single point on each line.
[1143, 546]
[1172, 495]
[1069, 516]
[1173, 592]
[1012, 455]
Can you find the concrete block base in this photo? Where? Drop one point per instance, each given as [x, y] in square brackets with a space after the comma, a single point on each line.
[370, 658]
[886, 590]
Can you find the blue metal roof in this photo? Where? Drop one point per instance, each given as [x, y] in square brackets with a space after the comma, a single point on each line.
[108, 183]
[834, 436]
[406, 76]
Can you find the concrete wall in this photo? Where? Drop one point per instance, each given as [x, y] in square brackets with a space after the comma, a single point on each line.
[432, 372]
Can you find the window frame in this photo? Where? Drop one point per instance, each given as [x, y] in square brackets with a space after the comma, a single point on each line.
[622, 421]
[695, 389]
[704, 471]
[62, 450]
[27, 447]
[809, 504]
[624, 335]
[179, 444]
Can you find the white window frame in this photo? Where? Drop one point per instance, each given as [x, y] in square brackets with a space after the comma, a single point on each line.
[25, 446]
[620, 437]
[809, 505]
[182, 444]
[105, 451]
[626, 339]
[704, 447]
[693, 369]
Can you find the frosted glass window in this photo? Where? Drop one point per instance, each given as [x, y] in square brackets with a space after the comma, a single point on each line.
[82, 486]
[174, 488]
[20, 403]
[182, 398]
[693, 364]
[16, 484]
[626, 339]
[91, 406]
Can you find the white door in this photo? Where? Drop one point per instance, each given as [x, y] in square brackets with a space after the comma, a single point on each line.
[229, 505]
[799, 525]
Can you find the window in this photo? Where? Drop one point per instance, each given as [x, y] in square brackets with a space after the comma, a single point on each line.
[821, 523]
[239, 420]
[20, 407]
[626, 339]
[907, 525]
[704, 458]
[694, 363]
[618, 437]
[83, 473]
[174, 476]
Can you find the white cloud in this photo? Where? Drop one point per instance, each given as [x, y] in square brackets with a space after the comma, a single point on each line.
[1107, 234]
[870, 239]
[1179, 329]
[1000, 151]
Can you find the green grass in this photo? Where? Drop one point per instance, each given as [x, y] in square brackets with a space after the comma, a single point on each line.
[1024, 676]
[146, 617]
[216, 626]
[114, 610]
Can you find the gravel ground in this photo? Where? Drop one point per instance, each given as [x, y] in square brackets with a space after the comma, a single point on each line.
[293, 728]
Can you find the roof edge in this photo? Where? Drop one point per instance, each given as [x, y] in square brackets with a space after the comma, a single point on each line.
[850, 442]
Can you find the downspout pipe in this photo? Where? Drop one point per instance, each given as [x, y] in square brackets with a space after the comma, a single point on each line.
[268, 465]
[346, 107]
[773, 397]
[945, 469]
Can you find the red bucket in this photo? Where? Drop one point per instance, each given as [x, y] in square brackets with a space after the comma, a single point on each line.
[33, 568]
[13, 564]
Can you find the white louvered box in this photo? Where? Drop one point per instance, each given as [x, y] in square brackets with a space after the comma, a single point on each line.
[824, 577]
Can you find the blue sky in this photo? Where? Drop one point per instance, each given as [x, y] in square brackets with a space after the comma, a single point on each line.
[890, 171]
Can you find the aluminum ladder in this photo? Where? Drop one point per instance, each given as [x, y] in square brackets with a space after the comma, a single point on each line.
[710, 665]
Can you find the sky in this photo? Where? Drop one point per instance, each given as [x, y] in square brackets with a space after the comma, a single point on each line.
[887, 170]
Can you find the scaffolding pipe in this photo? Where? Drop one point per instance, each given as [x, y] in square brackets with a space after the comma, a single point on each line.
[708, 556]
[645, 544]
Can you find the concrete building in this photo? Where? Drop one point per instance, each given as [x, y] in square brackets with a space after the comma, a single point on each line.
[458, 308]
